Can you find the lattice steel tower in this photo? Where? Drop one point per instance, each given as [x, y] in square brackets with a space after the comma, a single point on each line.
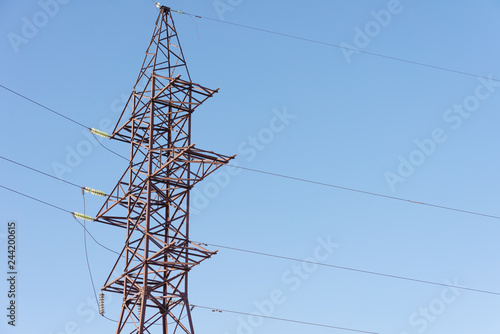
[151, 200]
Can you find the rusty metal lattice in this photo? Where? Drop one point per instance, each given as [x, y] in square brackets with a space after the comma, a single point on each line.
[151, 200]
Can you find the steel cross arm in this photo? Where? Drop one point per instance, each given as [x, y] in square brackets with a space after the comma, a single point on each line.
[134, 254]
[119, 199]
[197, 88]
[141, 96]
[125, 127]
[187, 85]
[179, 249]
[188, 254]
[200, 157]
[209, 155]
[118, 284]
[133, 94]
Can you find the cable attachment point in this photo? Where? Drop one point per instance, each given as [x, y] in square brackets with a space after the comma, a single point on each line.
[100, 133]
[82, 216]
[94, 191]
[101, 303]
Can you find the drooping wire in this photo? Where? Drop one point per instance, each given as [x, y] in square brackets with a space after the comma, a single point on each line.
[86, 250]
[108, 149]
[229, 311]
[86, 231]
[441, 68]
[87, 257]
[59, 208]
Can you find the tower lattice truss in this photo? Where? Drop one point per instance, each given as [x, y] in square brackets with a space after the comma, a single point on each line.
[151, 200]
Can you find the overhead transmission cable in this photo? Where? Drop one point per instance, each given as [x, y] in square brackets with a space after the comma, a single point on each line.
[283, 319]
[301, 180]
[281, 257]
[61, 209]
[90, 271]
[219, 310]
[92, 130]
[286, 176]
[35, 199]
[39, 171]
[86, 251]
[43, 106]
[350, 269]
[84, 189]
[366, 192]
[441, 68]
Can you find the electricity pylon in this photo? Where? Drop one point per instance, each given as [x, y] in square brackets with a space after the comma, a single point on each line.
[151, 200]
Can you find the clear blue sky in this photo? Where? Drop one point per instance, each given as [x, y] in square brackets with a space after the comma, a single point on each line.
[349, 119]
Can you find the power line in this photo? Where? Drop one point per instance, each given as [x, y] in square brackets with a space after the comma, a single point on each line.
[299, 179]
[53, 177]
[59, 208]
[339, 46]
[108, 149]
[289, 258]
[285, 176]
[283, 319]
[291, 178]
[276, 175]
[218, 310]
[274, 318]
[61, 115]
[43, 106]
[296, 179]
[366, 192]
[39, 171]
[35, 199]
[90, 271]
[353, 269]
[86, 251]
[282, 257]
[307, 323]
